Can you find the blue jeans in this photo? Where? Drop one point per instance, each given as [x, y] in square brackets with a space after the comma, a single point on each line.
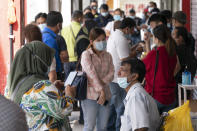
[68, 67]
[95, 114]
[165, 108]
[116, 107]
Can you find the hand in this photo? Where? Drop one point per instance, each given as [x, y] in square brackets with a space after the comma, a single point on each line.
[59, 84]
[147, 36]
[71, 91]
[102, 98]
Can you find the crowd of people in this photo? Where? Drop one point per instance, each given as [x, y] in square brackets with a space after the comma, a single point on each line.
[133, 66]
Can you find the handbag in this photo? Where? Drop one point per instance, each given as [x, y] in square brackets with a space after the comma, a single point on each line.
[156, 67]
[78, 78]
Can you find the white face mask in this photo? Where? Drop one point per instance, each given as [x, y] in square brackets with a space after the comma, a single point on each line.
[42, 26]
[150, 9]
[104, 14]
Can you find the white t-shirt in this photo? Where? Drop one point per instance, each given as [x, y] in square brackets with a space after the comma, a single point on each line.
[140, 110]
[110, 27]
[118, 47]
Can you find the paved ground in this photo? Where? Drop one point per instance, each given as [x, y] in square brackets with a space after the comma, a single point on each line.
[74, 121]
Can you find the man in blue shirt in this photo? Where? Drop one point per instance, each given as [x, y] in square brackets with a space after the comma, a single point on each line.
[49, 34]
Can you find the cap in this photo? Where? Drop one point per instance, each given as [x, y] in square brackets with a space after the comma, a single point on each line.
[180, 16]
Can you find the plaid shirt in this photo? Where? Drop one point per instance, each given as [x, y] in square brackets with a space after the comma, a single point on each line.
[98, 68]
[12, 118]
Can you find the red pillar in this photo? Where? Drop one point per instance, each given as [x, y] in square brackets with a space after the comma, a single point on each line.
[186, 8]
[4, 39]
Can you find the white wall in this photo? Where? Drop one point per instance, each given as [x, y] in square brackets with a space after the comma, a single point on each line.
[36, 6]
[66, 12]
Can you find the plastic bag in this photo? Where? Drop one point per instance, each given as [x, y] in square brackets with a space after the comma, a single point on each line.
[179, 119]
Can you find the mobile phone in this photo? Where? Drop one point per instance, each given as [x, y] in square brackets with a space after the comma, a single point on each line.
[70, 78]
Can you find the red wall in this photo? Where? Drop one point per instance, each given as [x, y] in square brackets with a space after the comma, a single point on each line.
[4, 40]
[186, 8]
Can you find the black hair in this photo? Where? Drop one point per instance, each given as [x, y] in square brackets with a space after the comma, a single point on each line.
[93, 1]
[43, 15]
[127, 22]
[163, 33]
[88, 15]
[155, 11]
[157, 18]
[77, 14]
[87, 8]
[182, 31]
[132, 11]
[154, 3]
[137, 66]
[167, 14]
[90, 24]
[104, 6]
[54, 18]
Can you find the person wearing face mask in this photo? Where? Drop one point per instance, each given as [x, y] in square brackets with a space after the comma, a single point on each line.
[109, 29]
[179, 19]
[49, 35]
[153, 21]
[136, 37]
[168, 15]
[161, 85]
[141, 111]
[98, 66]
[40, 20]
[118, 46]
[94, 6]
[70, 33]
[152, 5]
[104, 16]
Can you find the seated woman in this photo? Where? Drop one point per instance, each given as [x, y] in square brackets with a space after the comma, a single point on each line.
[45, 106]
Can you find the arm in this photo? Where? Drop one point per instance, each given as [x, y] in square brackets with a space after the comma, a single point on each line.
[110, 75]
[88, 68]
[52, 74]
[178, 67]
[123, 49]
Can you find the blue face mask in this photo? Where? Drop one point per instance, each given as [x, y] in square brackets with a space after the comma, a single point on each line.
[169, 25]
[151, 31]
[117, 17]
[122, 82]
[104, 14]
[100, 46]
[128, 36]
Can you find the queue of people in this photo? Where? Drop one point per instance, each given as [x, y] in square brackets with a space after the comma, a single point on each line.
[132, 66]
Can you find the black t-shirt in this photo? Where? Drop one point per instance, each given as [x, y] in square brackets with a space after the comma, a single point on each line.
[61, 43]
